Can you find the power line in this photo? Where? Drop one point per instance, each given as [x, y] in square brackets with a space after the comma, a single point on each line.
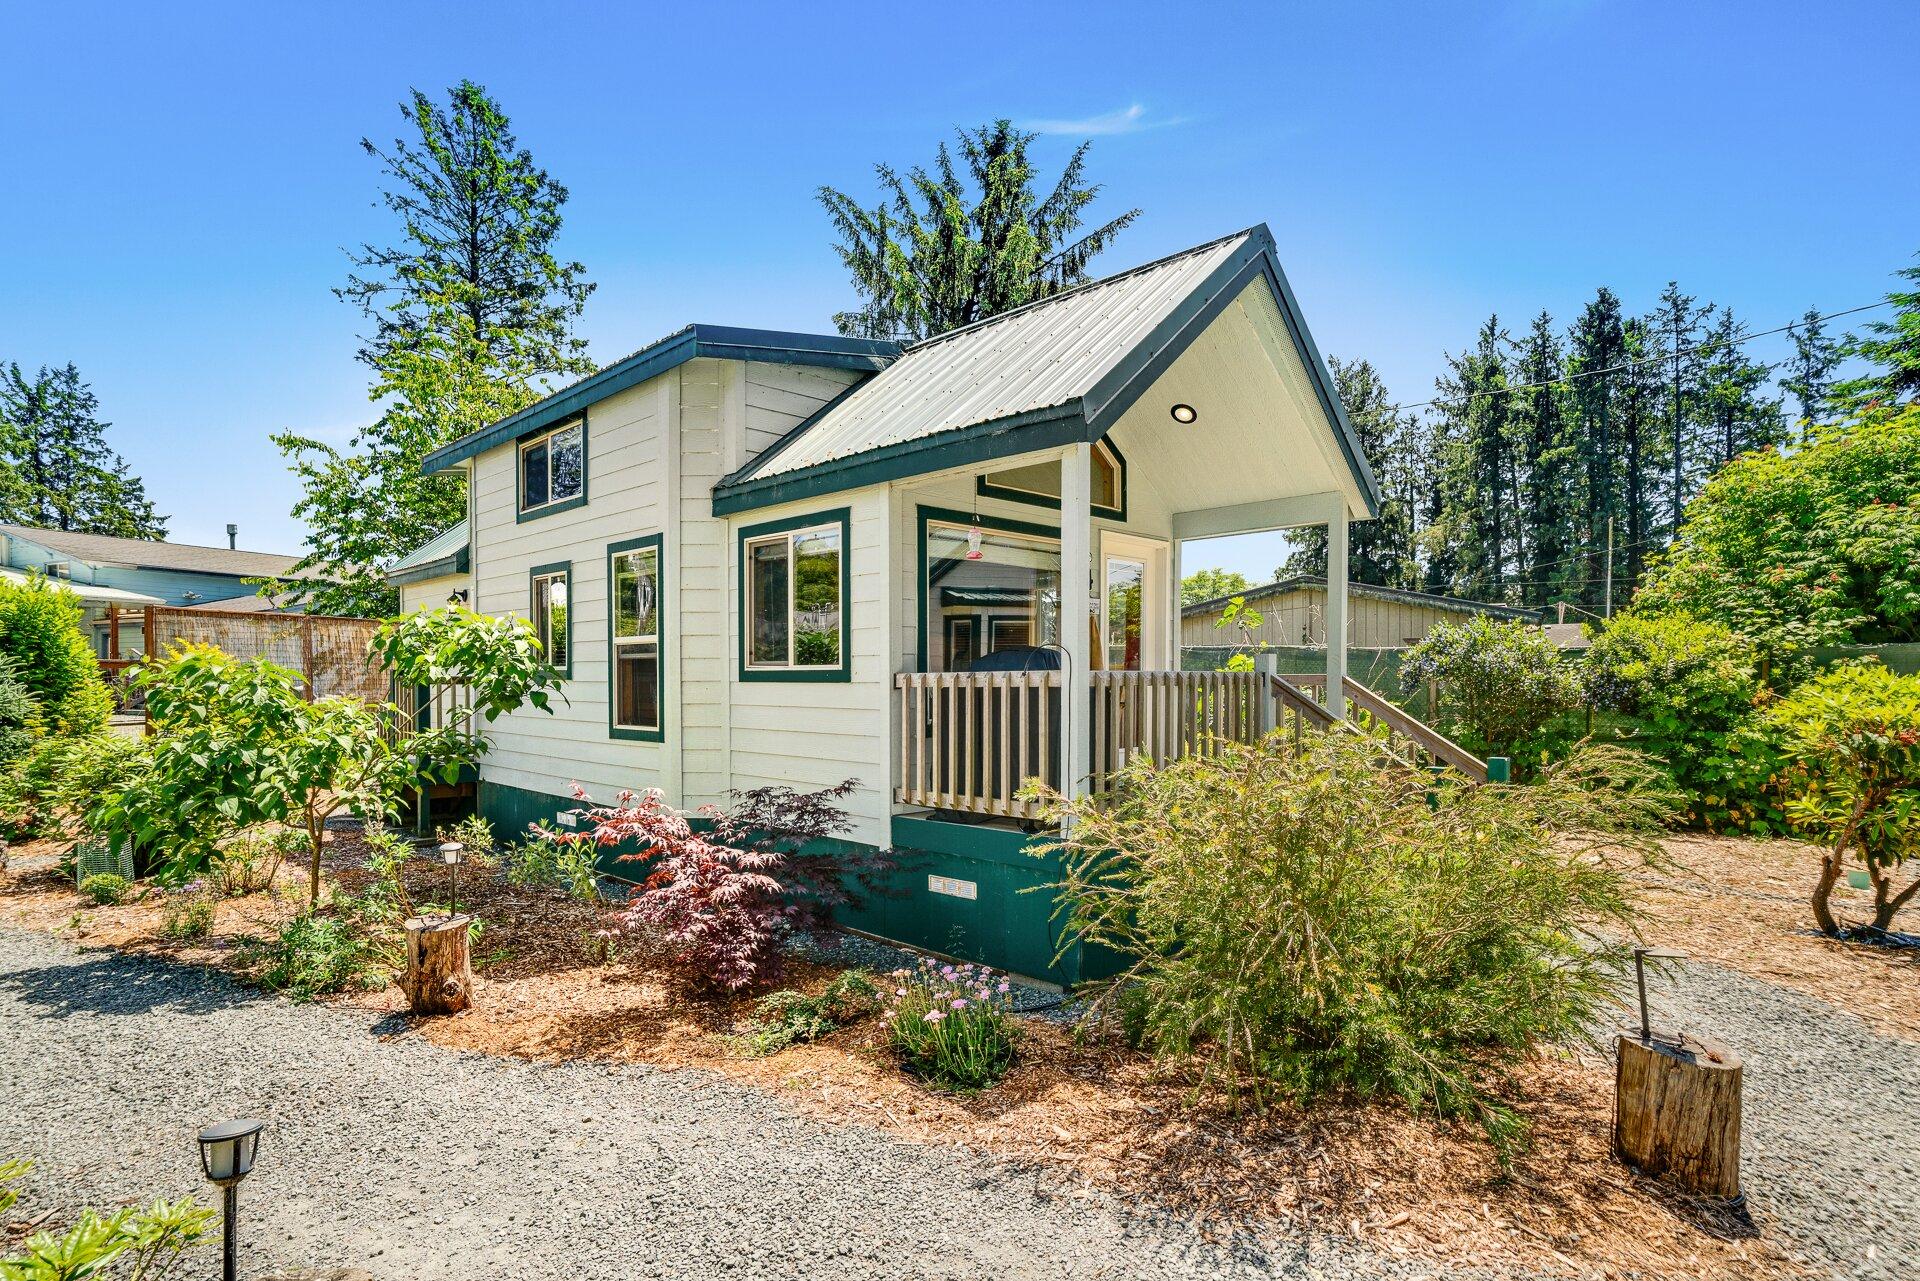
[1708, 345]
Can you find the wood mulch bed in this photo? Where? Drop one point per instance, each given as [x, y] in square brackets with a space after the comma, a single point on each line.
[1074, 1105]
[1744, 903]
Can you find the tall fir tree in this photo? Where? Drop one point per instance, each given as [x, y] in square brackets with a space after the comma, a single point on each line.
[473, 313]
[1596, 347]
[59, 472]
[1738, 415]
[1808, 375]
[961, 243]
[1380, 550]
[1548, 460]
[1678, 323]
[1893, 346]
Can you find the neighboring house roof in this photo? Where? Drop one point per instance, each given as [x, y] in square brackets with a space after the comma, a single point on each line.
[723, 342]
[443, 554]
[1314, 583]
[87, 592]
[255, 604]
[1053, 372]
[1567, 635]
[139, 553]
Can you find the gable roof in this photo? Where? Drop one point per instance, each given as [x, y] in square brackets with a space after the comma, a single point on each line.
[723, 342]
[140, 553]
[1313, 582]
[1053, 372]
[443, 554]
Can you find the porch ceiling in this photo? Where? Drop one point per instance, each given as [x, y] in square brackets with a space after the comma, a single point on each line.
[1261, 436]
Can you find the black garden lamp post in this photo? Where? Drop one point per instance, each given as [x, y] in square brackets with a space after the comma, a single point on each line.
[226, 1156]
[450, 855]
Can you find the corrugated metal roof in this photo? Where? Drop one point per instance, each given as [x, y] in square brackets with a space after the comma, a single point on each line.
[1314, 583]
[449, 542]
[1043, 356]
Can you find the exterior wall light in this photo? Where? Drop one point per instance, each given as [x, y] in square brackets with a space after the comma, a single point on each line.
[226, 1157]
[1184, 414]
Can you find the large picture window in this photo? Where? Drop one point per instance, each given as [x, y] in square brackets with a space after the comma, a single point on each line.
[1000, 577]
[794, 596]
[553, 469]
[552, 596]
[634, 638]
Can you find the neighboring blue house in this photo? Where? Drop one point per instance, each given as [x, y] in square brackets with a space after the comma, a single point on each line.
[131, 573]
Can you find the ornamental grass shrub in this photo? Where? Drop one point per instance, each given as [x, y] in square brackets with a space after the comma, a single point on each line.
[951, 1025]
[1299, 920]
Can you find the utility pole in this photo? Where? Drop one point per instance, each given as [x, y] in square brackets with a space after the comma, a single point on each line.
[1609, 596]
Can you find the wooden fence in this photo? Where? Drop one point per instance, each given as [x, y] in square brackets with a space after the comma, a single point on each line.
[332, 654]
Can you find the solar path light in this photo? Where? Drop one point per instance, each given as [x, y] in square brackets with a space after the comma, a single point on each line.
[226, 1157]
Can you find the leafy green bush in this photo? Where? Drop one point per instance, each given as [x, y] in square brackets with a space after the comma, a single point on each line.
[21, 723]
[788, 1017]
[543, 861]
[249, 864]
[314, 955]
[1301, 920]
[952, 1025]
[40, 631]
[476, 834]
[140, 1243]
[1817, 547]
[106, 888]
[816, 648]
[1853, 736]
[1685, 691]
[1499, 681]
[187, 913]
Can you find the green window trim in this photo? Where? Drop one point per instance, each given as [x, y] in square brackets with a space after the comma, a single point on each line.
[948, 516]
[842, 671]
[524, 513]
[563, 570]
[987, 489]
[631, 733]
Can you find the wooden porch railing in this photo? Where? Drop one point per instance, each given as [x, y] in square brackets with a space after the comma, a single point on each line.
[1423, 744]
[968, 740]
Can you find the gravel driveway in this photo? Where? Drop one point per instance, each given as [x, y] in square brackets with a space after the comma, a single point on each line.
[1831, 1117]
[413, 1161]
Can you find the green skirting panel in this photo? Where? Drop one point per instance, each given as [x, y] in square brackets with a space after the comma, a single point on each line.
[512, 810]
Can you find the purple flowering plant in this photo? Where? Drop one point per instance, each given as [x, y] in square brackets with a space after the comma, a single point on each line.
[951, 1024]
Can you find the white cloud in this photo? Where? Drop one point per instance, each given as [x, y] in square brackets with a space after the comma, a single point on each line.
[1129, 119]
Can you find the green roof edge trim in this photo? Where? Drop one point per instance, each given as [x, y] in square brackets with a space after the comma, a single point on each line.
[721, 342]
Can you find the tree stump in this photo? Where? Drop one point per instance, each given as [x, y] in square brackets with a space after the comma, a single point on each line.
[439, 977]
[1676, 1112]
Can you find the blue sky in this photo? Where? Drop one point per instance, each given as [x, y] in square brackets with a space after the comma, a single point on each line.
[181, 179]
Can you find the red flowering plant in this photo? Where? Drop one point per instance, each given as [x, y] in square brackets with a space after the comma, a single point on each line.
[721, 911]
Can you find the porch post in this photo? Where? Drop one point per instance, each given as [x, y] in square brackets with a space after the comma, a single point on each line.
[1076, 556]
[1337, 611]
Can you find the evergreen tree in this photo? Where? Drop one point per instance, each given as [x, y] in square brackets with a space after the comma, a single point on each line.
[1596, 348]
[1548, 460]
[1477, 408]
[947, 248]
[1894, 346]
[59, 472]
[1380, 550]
[1809, 371]
[1643, 442]
[1677, 323]
[1738, 416]
[473, 317]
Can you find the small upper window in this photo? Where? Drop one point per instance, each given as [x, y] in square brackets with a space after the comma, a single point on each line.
[794, 599]
[1039, 483]
[550, 614]
[553, 467]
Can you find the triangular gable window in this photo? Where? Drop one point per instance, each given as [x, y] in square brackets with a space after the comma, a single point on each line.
[1039, 483]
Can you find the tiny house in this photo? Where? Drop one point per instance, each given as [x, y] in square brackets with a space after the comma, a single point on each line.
[938, 569]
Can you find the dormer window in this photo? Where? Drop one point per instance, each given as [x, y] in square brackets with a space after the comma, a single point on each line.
[553, 469]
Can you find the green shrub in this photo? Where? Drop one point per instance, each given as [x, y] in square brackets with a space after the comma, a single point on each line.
[788, 1018]
[314, 955]
[1499, 681]
[544, 862]
[1301, 920]
[476, 834]
[1853, 737]
[1685, 691]
[952, 1025]
[106, 888]
[21, 723]
[816, 648]
[141, 1243]
[40, 631]
[249, 864]
[187, 914]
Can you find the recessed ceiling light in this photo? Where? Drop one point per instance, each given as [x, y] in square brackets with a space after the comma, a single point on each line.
[1184, 413]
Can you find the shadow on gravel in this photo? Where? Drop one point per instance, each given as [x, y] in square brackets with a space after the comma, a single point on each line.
[114, 983]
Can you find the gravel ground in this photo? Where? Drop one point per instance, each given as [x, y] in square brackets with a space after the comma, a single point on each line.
[1831, 1142]
[412, 1161]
